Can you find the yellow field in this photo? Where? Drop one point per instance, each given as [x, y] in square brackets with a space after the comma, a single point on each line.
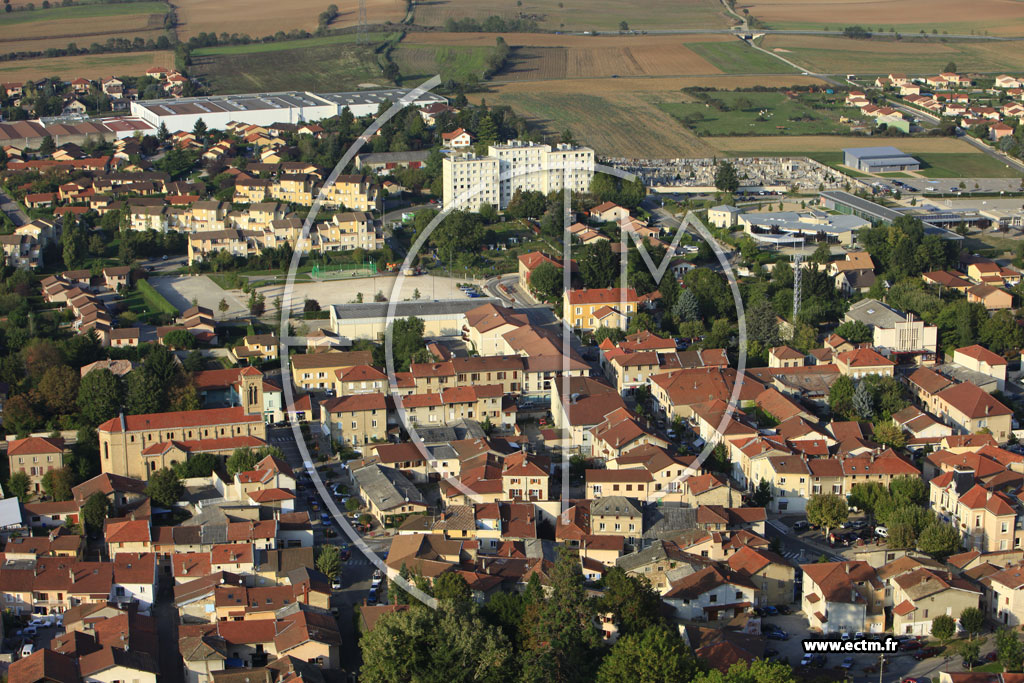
[582, 15]
[83, 41]
[86, 66]
[834, 143]
[998, 17]
[261, 18]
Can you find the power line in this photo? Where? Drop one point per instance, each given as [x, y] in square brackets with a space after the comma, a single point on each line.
[361, 37]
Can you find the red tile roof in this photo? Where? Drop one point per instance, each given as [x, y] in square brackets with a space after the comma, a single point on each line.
[184, 418]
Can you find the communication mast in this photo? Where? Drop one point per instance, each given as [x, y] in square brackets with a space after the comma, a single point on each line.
[797, 274]
[361, 37]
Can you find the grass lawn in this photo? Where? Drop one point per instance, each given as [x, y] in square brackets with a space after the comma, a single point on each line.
[82, 12]
[419, 62]
[978, 165]
[761, 113]
[739, 58]
[305, 43]
[154, 300]
[323, 68]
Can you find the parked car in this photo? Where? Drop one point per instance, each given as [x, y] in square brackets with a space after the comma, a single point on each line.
[908, 645]
[819, 661]
[847, 663]
[782, 609]
[336, 583]
[777, 635]
[770, 610]
[881, 531]
[927, 652]
[27, 649]
[801, 525]
[30, 631]
[990, 657]
[371, 599]
[807, 659]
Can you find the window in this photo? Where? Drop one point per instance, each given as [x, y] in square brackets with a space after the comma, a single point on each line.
[713, 598]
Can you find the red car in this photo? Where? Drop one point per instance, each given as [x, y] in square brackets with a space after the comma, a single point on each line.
[990, 657]
[910, 645]
[928, 652]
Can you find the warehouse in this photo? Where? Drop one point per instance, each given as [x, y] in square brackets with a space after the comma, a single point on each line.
[441, 318]
[263, 109]
[879, 159]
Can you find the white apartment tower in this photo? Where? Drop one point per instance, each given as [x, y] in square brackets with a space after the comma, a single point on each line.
[512, 166]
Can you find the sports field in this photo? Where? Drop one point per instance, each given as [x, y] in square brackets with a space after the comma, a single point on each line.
[995, 17]
[581, 15]
[823, 54]
[86, 66]
[260, 18]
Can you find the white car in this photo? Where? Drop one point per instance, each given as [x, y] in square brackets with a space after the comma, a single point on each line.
[806, 661]
[336, 583]
[881, 531]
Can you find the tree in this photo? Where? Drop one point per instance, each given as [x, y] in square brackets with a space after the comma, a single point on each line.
[452, 589]
[242, 460]
[939, 540]
[180, 340]
[435, 645]
[726, 178]
[640, 322]
[631, 599]
[909, 490]
[546, 281]
[687, 307]
[822, 255]
[762, 495]
[888, 434]
[758, 671]
[656, 654]
[943, 627]
[57, 483]
[863, 402]
[143, 394]
[1009, 650]
[99, 396]
[47, 146]
[598, 266]
[972, 620]
[623, 26]
[18, 486]
[561, 639]
[762, 324]
[970, 651]
[164, 488]
[199, 130]
[840, 396]
[855, 332]
[95, 512]
[328, 561]
[827, 510]
[901, 535]
[950, 68]
[58, 389]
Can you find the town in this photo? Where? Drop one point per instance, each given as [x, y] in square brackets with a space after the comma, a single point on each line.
[548, 344]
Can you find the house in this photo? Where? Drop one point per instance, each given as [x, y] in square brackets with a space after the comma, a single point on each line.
[843, 596]
[773, 577]
[35, 456]
[785, 357]
[387, 493]
[972, 410]
[355, 420]
[715, 593]
[457, 138]
[862, 362]
[992, 298]
[589, 309]
[1006, 595]
[920, 595]
[979, 359]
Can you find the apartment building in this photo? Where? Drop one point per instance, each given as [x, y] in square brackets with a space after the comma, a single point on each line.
[348, 231]
[589, 309]
[843, 596]
[355, 420]
[354, 193]
[471, 180]
[34, 457]
[318, 370]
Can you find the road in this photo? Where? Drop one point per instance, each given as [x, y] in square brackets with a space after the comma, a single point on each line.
[787, 32]
[357, 572]
[13, 211]
[159, 265]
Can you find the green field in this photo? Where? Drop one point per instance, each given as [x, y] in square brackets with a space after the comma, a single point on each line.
[463, 64]
[737, 57]
[305, 43]
[963, 166]
[82, 12]
[761, 113]
[327, 68]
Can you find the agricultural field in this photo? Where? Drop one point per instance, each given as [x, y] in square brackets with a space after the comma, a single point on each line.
[86, 66]
[823, 54]
[761, 113]
[462, 63]
[580, 15]
[41, 29]
[736, 57]
[320, 41]
[327, 68]
[995, 17]
[260, 18]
